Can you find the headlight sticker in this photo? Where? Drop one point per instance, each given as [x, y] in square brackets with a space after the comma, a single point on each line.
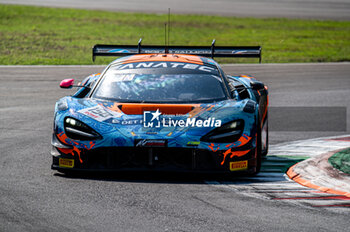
[98, 113]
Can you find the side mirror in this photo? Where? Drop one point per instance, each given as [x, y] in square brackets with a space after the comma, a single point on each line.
[67, 83]
[257, 85]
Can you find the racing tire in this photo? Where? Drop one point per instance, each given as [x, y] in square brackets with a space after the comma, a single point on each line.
[258, 150]
[265, 151]
[258, 153]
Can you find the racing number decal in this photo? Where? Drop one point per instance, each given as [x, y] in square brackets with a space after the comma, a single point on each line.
[98, 113]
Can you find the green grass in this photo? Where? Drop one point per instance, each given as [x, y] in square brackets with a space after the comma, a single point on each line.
[341, 160]
[37, 35]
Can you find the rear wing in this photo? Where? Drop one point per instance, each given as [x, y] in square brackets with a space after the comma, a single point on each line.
[207, 51]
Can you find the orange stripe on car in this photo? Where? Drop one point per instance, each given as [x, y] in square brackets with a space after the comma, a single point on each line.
[62, 137]
[132, 108]
[164, 57]
[246, 76]
[115, 108]
[233, 153]
[243, 140]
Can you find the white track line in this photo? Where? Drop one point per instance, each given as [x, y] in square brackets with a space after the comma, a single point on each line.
[272, 185]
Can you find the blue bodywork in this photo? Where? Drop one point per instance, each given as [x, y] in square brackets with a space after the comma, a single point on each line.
[121, 130]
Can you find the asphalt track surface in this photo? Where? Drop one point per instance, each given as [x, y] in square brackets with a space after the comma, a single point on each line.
[309, 9]
[34, 198]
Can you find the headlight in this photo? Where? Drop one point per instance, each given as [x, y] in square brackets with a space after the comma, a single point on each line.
[79, 131]
[227, 133]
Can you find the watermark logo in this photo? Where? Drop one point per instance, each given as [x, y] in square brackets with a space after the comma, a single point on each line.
[151, 118]
[154, 119]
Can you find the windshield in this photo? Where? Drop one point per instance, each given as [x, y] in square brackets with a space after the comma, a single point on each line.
[167, 88]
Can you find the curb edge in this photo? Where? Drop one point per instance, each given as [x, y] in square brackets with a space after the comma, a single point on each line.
[300, 180]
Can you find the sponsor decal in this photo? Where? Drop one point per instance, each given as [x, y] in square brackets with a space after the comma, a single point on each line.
[153, 119]
[66, 163]
[151, 143]
[193, 143]
[239, 52]
[245, 52]
[166, 65]
[239, 165]
[118, 51]
[151, 132]
[126, 77]
[127, 121]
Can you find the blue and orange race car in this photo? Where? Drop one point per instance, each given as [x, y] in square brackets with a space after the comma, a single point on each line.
[163, 108]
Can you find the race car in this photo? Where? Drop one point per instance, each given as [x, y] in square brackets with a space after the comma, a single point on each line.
[163, 108]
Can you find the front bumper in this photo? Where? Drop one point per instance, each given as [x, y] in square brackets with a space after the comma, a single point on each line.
[153, 159]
